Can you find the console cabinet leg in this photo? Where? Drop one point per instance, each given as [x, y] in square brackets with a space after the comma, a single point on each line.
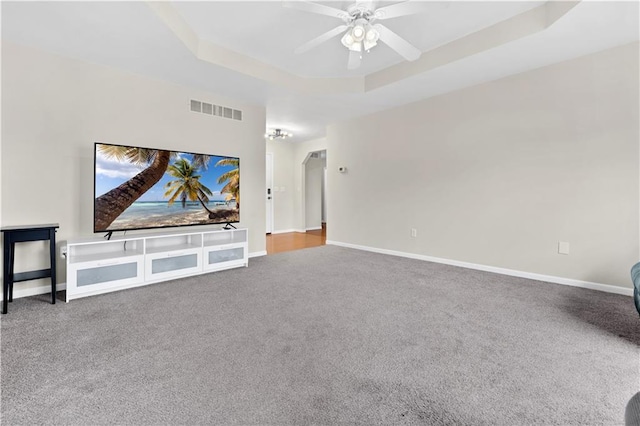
[52, 252]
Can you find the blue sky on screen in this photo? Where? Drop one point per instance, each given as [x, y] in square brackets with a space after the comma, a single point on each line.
[110, 173]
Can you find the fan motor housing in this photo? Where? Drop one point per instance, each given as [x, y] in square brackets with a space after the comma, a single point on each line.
[357, 11]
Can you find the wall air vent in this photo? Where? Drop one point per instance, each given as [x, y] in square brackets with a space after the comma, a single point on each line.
[215, 110]
[196, 106]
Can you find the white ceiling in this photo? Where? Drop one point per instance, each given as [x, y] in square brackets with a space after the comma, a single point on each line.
[270, 32]
[136, 37]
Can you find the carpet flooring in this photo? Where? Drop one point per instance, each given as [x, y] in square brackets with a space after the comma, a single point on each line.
[325, 335]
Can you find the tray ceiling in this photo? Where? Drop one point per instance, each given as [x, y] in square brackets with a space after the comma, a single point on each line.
[244, 50]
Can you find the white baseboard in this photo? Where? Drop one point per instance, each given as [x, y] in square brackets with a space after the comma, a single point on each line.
[286, 231]
[316, 228]
[34, 291]
[43, 289]
[503, 271]
[283, 231]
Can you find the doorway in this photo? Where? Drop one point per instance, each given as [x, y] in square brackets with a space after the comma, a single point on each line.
[315, 166]
[312, 208]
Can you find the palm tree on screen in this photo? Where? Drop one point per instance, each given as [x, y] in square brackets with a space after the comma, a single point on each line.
[187, 185]
[232, 188]
[113, 203]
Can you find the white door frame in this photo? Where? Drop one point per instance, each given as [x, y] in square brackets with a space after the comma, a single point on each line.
[303, 189]
[269, 200]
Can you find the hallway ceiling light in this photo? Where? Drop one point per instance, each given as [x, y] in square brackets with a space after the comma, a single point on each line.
[277, 134]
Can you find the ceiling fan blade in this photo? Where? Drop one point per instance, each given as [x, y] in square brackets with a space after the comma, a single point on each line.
[354, 60]
[308, 6]
[404, 8]
[397, 43]
[321, 39]
[367, 4]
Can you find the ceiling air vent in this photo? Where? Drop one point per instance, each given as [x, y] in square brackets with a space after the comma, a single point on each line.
[215, 110]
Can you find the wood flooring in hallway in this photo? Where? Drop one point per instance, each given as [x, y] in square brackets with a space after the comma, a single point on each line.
[277, 243]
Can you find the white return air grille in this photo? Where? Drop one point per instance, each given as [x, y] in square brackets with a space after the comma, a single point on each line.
[217, 110]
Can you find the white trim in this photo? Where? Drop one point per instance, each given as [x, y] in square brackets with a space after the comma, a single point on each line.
[315, 228]
[283, 231]
[530, 275]
[269, 160]
[287, 231]
[19, 293]
[258, 254]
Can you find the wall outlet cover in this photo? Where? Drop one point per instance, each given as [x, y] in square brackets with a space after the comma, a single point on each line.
[563, 247]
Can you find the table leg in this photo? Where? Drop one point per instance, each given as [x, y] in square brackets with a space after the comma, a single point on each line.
[12, 259]
[52, 252]
[6, 274]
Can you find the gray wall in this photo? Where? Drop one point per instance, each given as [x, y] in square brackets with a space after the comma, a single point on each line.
[499, 173]
[54, 109]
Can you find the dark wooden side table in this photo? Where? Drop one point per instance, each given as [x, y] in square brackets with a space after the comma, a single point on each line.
[21, 234]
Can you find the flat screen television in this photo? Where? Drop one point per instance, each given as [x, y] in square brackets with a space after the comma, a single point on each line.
[145, 188]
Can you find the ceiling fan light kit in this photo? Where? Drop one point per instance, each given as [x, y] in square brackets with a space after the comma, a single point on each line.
[361, 33]
[358, 32]
[361, 37]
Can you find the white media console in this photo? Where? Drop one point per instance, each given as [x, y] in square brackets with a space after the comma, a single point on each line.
[101, 266]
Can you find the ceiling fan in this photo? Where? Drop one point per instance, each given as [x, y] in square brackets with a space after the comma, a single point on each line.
[361, 33]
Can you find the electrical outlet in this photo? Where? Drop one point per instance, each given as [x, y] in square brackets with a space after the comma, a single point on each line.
[414, 232]
[563, 247]
[63, 252]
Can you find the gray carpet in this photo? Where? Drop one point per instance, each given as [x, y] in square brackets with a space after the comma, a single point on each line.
[326, 335]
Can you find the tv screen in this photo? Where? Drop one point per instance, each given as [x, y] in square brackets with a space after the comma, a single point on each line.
[144, 188]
